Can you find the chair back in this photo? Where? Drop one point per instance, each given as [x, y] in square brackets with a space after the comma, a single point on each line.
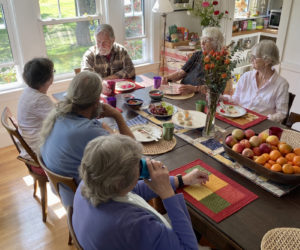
[291, 100]
[57, 179]
[71, 230]
[10, 124]
[293, 118]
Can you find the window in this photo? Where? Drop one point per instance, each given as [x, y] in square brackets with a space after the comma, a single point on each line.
[135, 34]
[68, 28]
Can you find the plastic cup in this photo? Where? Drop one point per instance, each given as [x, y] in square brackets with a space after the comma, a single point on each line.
[275, 131]
[112, 101]
[168, 131]
[111, 85]
[200, 105]
[157, 81]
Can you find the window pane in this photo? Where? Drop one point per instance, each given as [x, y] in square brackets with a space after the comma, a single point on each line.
[5, 49]
[66, 8]
[135, 48]
[66, 43]
[134, 18]
[8, 75]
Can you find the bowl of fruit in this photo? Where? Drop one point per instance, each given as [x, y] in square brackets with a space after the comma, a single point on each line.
[162, 110]
[156, 94]
[268, 155]
[134, 103]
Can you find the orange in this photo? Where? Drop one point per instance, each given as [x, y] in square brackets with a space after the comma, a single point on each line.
[285, 148]
[274, 155]
[296, 160]
[276, 167]
[261, 160]
[287, 169]
[297, 151]
[267, 156]
[290, 156]
[271, 162]
[274, 147]
[296, 169]
[281, 160]
[268, 165]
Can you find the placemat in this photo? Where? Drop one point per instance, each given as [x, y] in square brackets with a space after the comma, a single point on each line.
[220, 197]
[144, 81]
[159, 147]
[214, 148]
[137, 86]
[179, 97]
[246, 121]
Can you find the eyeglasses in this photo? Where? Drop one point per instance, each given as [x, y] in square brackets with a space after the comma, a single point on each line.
[206, 40]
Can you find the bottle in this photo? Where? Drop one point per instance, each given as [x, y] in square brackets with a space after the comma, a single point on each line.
[186, 34]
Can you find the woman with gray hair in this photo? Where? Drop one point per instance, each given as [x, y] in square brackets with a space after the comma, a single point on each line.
[72, 124]
[108, 58]
[263, 90]
[192, 73]
[110, 208]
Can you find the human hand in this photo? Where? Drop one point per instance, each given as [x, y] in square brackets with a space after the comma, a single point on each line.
[164, 80]
[187, 89]
[160, 181]
[195, 177]
[109, 111]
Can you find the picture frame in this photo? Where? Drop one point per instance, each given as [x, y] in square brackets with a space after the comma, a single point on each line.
[182, 5]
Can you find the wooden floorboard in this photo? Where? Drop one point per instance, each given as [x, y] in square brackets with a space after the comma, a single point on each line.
[21, 225]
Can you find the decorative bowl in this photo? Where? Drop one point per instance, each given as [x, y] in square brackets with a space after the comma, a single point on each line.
[134, 103]
[156, 94]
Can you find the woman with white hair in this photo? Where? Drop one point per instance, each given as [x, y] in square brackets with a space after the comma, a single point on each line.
[110, 208]
[263, 90]
[192, 73]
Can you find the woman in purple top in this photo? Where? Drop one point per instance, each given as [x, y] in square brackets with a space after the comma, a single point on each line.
[110, 208]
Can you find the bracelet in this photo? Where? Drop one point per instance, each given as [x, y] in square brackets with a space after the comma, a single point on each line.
[180, 181]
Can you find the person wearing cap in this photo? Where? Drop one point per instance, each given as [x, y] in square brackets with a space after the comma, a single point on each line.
[34, 103]
[192, 72]
[262, 89]
[108, 58]
[72, 124]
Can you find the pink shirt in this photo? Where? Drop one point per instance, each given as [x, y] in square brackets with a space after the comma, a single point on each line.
[271, 99]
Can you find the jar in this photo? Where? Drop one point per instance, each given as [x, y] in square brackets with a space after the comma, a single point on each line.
[259, 23]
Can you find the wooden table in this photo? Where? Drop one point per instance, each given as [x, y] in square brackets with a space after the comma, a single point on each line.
[245, 228]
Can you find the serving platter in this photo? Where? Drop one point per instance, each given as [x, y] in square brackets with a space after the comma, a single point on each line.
[232, 111]
[189, 119]
[146, 132]
[124, 85]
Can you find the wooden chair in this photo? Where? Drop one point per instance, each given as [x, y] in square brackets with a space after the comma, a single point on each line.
[56, 180]
[291, 100]
[292, 118]
[71, 230]
[34, 168]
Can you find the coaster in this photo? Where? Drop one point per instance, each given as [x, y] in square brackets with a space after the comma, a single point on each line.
[160, 147]
[179, 97]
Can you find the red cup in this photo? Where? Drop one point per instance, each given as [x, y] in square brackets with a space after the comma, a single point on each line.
[275, 131]
[111, 85]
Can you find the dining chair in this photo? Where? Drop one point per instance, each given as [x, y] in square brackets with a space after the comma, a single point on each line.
[36, 172]
[293, 118]
[291, 100]
[71, 230]
[56, 180]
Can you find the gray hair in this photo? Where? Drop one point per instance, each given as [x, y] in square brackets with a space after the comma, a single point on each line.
[109, 165]
[84, 90]
[105, 28]
[267, 50]
[216, 35]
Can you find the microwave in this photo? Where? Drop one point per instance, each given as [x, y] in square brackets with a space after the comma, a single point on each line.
[274, 18]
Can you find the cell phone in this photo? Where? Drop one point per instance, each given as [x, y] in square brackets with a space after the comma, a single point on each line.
[144, 173]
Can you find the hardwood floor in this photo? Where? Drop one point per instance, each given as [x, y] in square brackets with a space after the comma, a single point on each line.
[21, 225]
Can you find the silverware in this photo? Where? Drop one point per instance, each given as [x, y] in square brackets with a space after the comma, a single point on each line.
[223, 106]
[149, 134]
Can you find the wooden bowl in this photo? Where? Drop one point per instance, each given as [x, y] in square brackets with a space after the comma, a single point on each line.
[261, 170]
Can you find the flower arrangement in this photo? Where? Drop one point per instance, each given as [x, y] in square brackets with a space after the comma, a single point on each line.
[208, 12]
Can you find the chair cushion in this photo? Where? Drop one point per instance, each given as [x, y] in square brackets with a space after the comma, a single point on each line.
[37, 170]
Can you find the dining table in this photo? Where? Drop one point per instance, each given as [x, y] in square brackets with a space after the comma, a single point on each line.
[245, 228]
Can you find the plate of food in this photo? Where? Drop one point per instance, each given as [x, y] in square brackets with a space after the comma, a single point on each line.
[162, 110]
[124, 86]
[146, 132]
[189, 119]
[229, 110]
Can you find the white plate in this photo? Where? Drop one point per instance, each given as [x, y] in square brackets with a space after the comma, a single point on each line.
[232, 111]
[124, 85]
[197, 119]
[171, 89]
[143, 136]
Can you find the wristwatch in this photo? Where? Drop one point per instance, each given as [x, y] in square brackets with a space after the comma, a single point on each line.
[180, 181]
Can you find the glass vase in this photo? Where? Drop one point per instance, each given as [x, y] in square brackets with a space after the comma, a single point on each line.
[212, 103]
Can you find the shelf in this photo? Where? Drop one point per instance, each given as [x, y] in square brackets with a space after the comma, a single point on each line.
[246, 33]
[248, 18]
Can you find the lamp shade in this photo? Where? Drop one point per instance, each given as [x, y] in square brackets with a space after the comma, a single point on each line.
[162, 6]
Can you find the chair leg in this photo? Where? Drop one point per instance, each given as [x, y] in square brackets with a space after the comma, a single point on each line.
[70, 239]
[43, 190]
[34, 187]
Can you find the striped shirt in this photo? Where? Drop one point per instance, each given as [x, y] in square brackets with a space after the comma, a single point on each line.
[118, 64]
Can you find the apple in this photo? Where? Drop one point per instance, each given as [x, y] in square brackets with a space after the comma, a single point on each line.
[230, 141]
[272, 139]
[256, 151]
[238, 147]
[247, 152]
[238, 134]
[265, 148]
[255, 141]
[263, 136]
[245, 143]
[249, 133]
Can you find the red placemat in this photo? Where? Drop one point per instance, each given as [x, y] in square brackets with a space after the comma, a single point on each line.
[220, 197]
[137, 86]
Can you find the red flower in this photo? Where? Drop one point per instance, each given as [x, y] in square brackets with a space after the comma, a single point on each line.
[206, 59]
[227, 61]
[218, 58]
[215, 2]
[205, 4]
[207, 66]
[204, 53]
[212, 66]
[226, 12]
[211, 52]
[224, 75]
[216, 12]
